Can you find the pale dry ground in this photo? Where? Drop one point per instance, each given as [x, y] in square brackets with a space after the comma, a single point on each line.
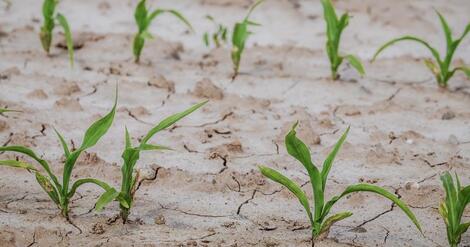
[405, 131]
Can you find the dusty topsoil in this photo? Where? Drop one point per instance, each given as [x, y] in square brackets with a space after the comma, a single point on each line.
[208, 192]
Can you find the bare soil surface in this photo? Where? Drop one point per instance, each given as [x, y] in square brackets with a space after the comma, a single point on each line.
[405, 131]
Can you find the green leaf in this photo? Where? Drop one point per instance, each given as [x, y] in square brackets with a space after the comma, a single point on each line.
[447, 30]
[167, 122]
[378, 190]
[177, 14]
[152, 147]
[432, 66]
[68, 36]
[63, 143]
[31, 154]
[140, 15]
[17, 164]
[252, 8]
[331, 19]
[451, 199]
[333, 219]
[99, 128]
[356, 63]
[83, 181]
[466, 70]
[128, 139]
[47, 187]
[331, 157]
[205, 38]
[463, 228]
[409, 38]
[106, 198]
[289, 184]
[297, 149]
[7, 110]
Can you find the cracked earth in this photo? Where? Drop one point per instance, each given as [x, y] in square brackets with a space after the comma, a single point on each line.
[208, 192]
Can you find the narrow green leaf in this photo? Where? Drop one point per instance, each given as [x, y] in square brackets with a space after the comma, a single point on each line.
[63, 143]
[7, 110]
[153, 147]
[140, 15]
[106, 198]
[333, 219]
[128, 139]
[205, 38]
[31, 154]
[83, 181]
[463, 228]
[297, 149]
[331, 157]
[380, 191]
[466, 70]
[409, 38]
[99, 128]
[47, 187]
[432, 66]
[252, 8]
[291, 185]
[167, 122]
[17, 164]
[356, 63]
[331, 19]
[447, 30]
[68, 36]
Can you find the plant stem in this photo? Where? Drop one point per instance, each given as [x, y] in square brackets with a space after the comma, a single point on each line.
[124, 214]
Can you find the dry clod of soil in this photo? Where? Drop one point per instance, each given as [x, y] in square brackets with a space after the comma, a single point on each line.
[68, 104]
[37, 94]
[160, 81]
[3, 125]
[205, 88]
[66, 89]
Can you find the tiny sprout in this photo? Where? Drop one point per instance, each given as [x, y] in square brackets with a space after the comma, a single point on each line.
[143, 19]
[219, 37]
[439, 67]
[319, 220]
[48, 12]
[240, 36]
[335, 28]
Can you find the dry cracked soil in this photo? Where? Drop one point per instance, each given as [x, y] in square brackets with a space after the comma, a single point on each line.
[405, 131]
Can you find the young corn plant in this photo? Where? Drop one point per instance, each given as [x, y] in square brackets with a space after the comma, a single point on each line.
[50, 18]
[453, 207]
[219, 37]
[319, 219]
[440, 67]
[240, 36]
[334, 29]
[143, 18]
[130, 156]
[62, 193]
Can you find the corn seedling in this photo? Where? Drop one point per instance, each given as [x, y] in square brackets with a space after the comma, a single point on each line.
[334, 29]
[61, 193]
[50, 17]
[219, 37]
[143, 18]
[319, 220]
[441, 68]
[453, 207]
[240, 36]
[130, 157]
